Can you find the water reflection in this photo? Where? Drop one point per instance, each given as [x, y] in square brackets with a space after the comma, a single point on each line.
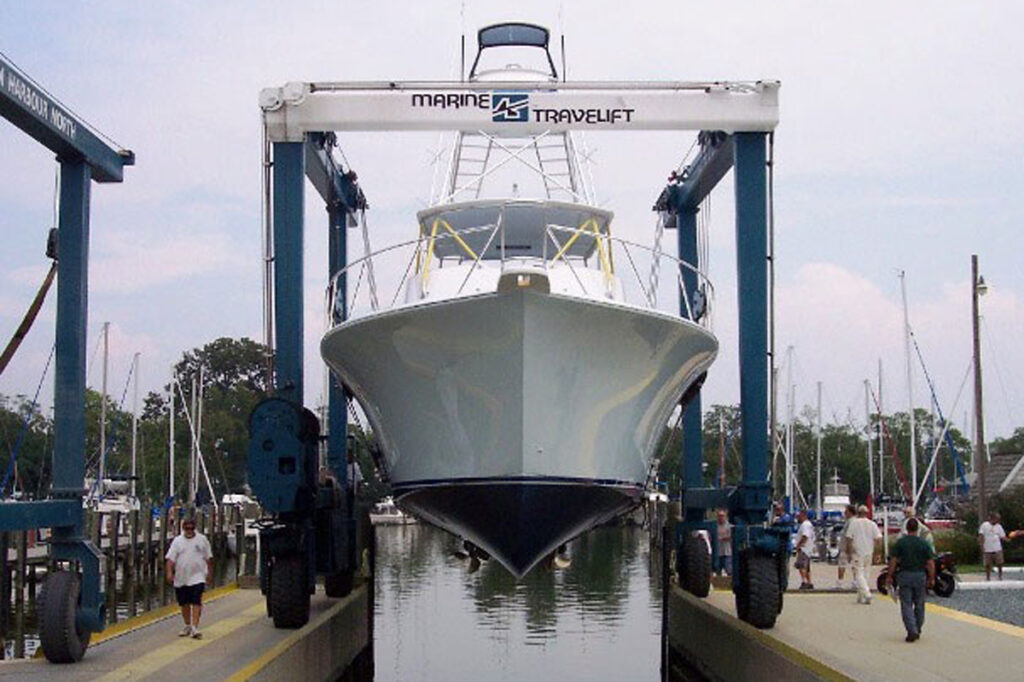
[598, 619]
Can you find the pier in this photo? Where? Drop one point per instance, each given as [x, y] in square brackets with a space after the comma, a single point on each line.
[826, 635]
[239, 643]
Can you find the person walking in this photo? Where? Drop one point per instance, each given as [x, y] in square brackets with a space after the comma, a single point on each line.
[844, 556]
[859, 540]
[804, 543]
[723, 560]
[916, 562]
[189, 566]
[923, 531]
[991, 536]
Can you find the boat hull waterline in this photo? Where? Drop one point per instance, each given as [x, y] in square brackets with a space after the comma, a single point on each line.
[520, 419]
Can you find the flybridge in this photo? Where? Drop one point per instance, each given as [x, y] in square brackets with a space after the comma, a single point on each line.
[520, 108]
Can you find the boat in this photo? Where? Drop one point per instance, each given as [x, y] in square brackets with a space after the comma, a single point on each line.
[516, 386]
[387, 513]
[249, 512]
[835, 498]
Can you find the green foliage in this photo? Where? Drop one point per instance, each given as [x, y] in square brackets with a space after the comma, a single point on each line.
[33, 468]
[843, 450]
[963, 545]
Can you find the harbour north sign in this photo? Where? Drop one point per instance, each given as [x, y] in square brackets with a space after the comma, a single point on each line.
[37, 103]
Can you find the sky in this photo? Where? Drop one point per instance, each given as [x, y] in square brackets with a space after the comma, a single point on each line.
[898, 149]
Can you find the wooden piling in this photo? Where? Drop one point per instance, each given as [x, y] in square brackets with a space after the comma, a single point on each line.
[5, 590]
[131, 571]
[164, 520]
[19, 593]
[239, 542]
[147, 555]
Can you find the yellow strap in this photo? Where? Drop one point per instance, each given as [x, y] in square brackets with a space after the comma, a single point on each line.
[458, 239]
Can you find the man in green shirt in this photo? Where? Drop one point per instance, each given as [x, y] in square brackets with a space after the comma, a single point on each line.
[916, 561]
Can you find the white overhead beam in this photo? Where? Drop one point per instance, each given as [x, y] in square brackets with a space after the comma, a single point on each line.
[518, 108]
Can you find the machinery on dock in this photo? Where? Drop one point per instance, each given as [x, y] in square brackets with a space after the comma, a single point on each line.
[301, 121]
[72, 602]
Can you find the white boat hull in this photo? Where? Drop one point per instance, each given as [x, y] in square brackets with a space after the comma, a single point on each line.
[497, 413]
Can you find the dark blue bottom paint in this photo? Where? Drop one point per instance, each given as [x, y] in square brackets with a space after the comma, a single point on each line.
[517, 523]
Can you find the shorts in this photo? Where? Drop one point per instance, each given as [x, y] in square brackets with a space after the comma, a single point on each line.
[993, 557]
[803, 561]
[190, 594]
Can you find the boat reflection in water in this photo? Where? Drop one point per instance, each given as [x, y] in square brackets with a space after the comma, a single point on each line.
[597, 619]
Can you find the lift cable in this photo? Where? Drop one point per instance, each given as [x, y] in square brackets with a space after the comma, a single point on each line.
[12, 462]
[30, 317]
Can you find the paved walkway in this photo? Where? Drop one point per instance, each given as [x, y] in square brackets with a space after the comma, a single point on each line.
[866, 642]
[237, 636]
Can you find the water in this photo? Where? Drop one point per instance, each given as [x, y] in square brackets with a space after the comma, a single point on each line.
[598, 619]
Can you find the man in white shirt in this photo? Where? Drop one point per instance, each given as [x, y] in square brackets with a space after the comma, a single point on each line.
[991, 536]
[189, 568]
[859, 540]
[804, 543]
[723, 561]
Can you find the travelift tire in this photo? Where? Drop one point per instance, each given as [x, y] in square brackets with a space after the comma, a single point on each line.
[59, 635]
[289, 592]
[757, 590]
[693, 563]
[338, 585]
[945, 585]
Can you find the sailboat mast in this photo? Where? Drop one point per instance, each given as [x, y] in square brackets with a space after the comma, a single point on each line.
[135, 417]
[881, 435]
[818, 495]
[910, 390]
[867, 429]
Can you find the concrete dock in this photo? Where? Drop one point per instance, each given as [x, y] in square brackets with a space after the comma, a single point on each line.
[827, 635]
[239, 643]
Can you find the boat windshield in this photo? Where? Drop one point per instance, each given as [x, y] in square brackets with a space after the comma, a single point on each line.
[509, 229]
[500, 49]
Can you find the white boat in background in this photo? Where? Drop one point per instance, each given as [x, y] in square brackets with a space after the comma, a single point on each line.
[516, 391]
[387, 513]
[249, 511]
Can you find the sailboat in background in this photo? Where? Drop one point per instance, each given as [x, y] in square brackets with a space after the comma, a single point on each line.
[103, 493]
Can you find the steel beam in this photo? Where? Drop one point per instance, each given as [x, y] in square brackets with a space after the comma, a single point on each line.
[752, 295]
[522, 108]
[72, 322]
[714, 160]
[693, 446]
[289, 187]
[30, 108]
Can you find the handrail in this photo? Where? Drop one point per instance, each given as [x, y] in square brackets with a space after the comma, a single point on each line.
[424, 253]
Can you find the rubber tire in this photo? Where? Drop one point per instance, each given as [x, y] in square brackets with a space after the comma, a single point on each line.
[59, 635]
[694, 560]
[339, 584]
[757, 594]
[880, 583]
[945, 585]
[289, 592]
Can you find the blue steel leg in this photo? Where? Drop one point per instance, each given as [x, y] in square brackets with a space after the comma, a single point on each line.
[693, 446]
[751, 262]
[69, 388]
[337, 399]
[337, 439]
[289, 186]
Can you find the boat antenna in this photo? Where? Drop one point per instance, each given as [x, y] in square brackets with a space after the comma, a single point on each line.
[561, 29]
[565, 75]
[462, 61]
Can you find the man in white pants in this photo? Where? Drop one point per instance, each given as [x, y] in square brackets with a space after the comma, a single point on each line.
[859, 538]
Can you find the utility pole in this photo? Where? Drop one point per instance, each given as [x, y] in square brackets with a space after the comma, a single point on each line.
[868, 434]
[978, 287]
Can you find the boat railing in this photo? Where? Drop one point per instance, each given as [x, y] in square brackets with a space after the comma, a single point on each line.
[419, 263]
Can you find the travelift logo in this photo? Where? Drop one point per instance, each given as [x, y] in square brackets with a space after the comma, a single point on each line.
[509, 107]
[514, 107]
